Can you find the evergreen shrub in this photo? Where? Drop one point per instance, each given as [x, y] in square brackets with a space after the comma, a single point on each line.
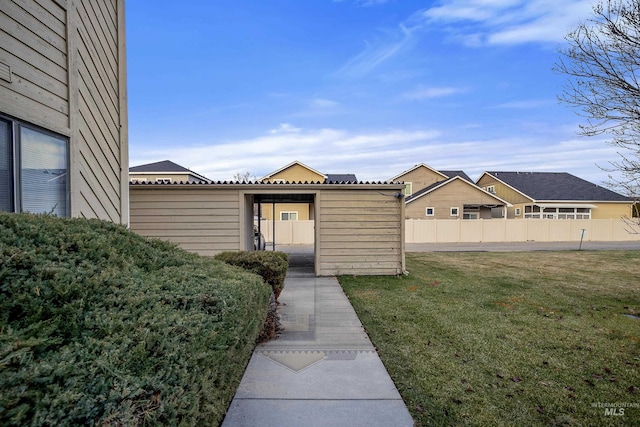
[100, 326]
[271, 266]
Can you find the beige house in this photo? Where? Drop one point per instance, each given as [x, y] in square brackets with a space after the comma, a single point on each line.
[297, 172]
[432, 194]
[554, 195]
[165, 171]
[454, 198]
[63, 108]
[359, 227]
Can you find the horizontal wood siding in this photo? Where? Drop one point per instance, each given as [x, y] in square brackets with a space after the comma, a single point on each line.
[360, 233]
[101, 127]
[33, 43]
[206, 221]
[456, 194]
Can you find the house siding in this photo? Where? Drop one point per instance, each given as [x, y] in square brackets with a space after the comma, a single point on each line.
[305, 210]
[205, 221]
[505, 193]
[360, 232]
[33, 43]
[297, 173]
[357, 231]
[454, 194]
[611, 210]
[420, 178]
[68, 75]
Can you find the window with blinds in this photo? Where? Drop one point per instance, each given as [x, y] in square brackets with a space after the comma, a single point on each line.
[35, 163]
[6, 167]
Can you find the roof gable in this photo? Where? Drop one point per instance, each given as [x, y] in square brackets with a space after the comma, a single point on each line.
[418, 166]
[317, 176]
[548, 186]
[441, 184]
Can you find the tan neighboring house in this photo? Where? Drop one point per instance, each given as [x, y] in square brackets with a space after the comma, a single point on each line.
[554, 195]
[297, 172]
[165, 172]
[433, 194]
[454, 198]
[63, 108]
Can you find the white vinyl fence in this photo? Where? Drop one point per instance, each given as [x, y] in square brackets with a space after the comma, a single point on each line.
[517, 230]
[289, 232]
[488, 230]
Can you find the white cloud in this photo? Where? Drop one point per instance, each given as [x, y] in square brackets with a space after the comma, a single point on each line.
[285, 128]
[526, 104]
[432, 92]
[509, 21]
[377, 53]
[380, 155]
[323, 103]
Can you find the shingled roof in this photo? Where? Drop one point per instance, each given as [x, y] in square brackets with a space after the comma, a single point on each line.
[547, 186]
[335, 178]
[163, 166]
[461, 174]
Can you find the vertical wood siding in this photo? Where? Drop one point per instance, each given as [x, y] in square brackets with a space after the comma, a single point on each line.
[203, 221]
[360, 232]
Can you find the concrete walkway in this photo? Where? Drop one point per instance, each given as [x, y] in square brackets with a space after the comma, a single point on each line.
[322, 371]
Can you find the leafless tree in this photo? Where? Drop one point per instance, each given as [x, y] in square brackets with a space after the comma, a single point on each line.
[602, 62]
[243, 177]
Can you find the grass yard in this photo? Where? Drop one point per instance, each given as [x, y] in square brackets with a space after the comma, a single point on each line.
[520, 338]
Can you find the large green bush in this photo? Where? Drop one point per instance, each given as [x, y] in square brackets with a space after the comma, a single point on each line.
[101, 326]
[271, 266]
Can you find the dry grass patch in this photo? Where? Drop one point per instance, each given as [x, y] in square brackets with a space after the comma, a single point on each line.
[516, 338]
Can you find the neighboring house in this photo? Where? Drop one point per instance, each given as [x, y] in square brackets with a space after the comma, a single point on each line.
[554, 195]
[165, 171]
[454, 198]
[432, 194]
[63, 109]
[297, 172]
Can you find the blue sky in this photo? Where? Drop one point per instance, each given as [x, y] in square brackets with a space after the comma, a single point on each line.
[370, 87]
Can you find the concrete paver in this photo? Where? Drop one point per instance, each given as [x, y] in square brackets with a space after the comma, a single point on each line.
[322, 371]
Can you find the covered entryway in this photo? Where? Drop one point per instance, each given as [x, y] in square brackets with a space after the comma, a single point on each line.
[359, 227]
[262, 201]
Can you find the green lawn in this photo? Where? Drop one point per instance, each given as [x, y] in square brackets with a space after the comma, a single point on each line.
[521, 338]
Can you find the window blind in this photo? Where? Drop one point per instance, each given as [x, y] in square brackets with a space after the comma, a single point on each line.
[43, 169]
[6, 167]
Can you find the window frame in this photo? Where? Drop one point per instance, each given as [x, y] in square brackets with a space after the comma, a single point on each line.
[518, 211]
[289, 214]
[16, 160]
[430, 208]
[456, 209]
[408, 188]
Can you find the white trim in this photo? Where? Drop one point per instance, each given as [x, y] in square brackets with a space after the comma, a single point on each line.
[296, 162]
[410, 188]
[566, 205]
[450, 180]
[426, 211]
[416, 167]
[457, 209]
[289, 213]
[518, 211]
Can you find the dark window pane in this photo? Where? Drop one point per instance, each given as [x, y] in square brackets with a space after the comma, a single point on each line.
[44, 176]
[6, 169]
